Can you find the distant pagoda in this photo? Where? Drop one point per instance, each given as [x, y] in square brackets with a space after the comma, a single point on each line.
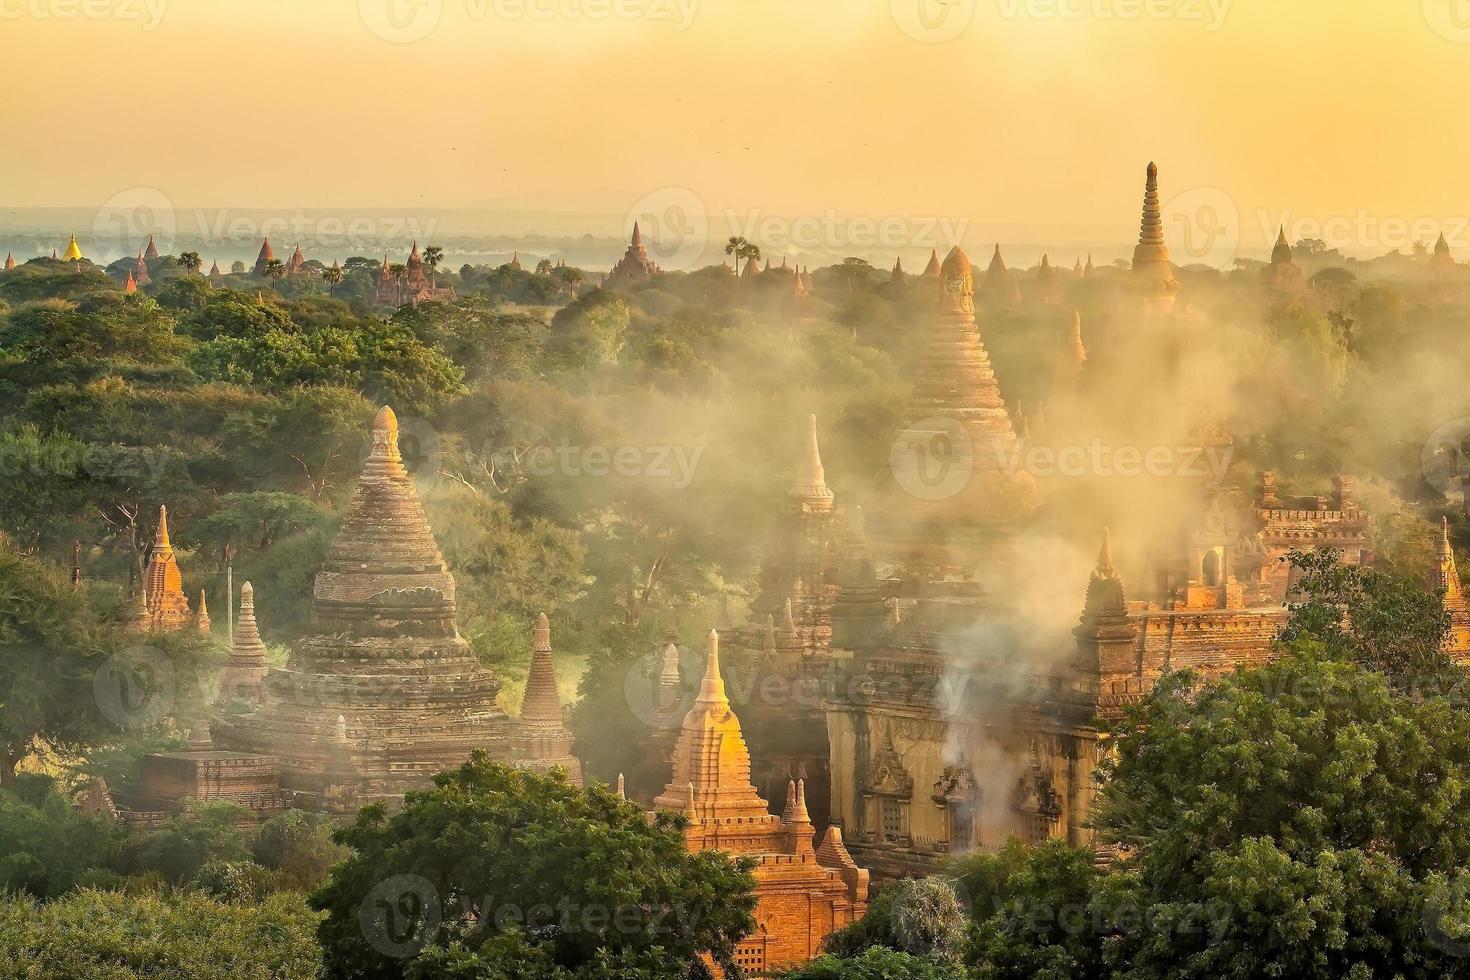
[73, 251]
[1282, 272]
[1153, 273]
[386, 657]
[265, 258]
[541, 739]
[243, 674]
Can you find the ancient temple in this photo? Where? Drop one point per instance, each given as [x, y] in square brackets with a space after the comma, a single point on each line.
[931, 271]
[1048, 285]
[956, 392]
[386, 656]
[1282, 273]
[1444, 578]
[163, 605]
[215, 275]
[266, 257]
[635, 265]
[804, 891]
[296, 261]
[1000, 285]
[1153, 273]
[151, 252]
[1440, 260]
[9, 262]
[243, 675]
[541, 738]
[140, 270]
[130, 285]
[73, 251]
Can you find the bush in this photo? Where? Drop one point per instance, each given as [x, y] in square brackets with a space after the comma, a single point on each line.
[299, 845]
[115, 936]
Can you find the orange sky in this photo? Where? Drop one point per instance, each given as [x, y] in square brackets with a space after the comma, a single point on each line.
[1037, 114]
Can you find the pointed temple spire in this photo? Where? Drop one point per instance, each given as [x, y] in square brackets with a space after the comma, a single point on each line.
[264, 258]
[1444, 577]
[151, 252]
[1281, 252]
[1153, 274]
[810, 485]
[167, 607]
[9, 262]
[73, 251]
[244, 672]
[670, 685]
[711, 763]
[130, 285]
[541, 705]
[931, 271]
[636, 265]
[896, 276]
[1087, 269]
[1105, 554]
[637, 238]
[752, 268]
[201, 617]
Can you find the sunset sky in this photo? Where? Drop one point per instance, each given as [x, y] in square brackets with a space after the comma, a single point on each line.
[1037, 116]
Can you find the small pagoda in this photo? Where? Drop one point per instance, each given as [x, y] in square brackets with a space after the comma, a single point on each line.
[635, 265]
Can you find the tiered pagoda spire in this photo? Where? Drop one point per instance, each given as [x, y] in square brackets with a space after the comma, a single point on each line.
[542, 740]
[140, 271]
[956, 382]
[130, 285]
[1283, 272]
[73, 251]
[1445, 578]
[151, 252]
[1153, 274]
[244, 672]
[165, 605]
[810, 487]
[387, 654]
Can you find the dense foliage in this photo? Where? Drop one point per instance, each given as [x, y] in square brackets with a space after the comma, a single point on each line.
[497, 862]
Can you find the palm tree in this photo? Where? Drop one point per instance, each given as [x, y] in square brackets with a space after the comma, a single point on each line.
[397, 271]
[433, 255]
[191, 262]
[736, 246]
[274, 270]
[332, 275]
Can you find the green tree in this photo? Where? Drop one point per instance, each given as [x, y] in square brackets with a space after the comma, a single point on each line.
[877, 963]
[333, 276]
[191, 262]
[70, 680]
[493, 851]
[274, 270]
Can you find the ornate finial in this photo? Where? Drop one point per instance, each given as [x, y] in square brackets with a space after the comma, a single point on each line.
[811, 479]
[1444, 537]
[622, 794]
[1105, 554]
[541, 635]
[789, 623]
[712, 687]
[790, 811]
[160, 536]
[799, 814]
